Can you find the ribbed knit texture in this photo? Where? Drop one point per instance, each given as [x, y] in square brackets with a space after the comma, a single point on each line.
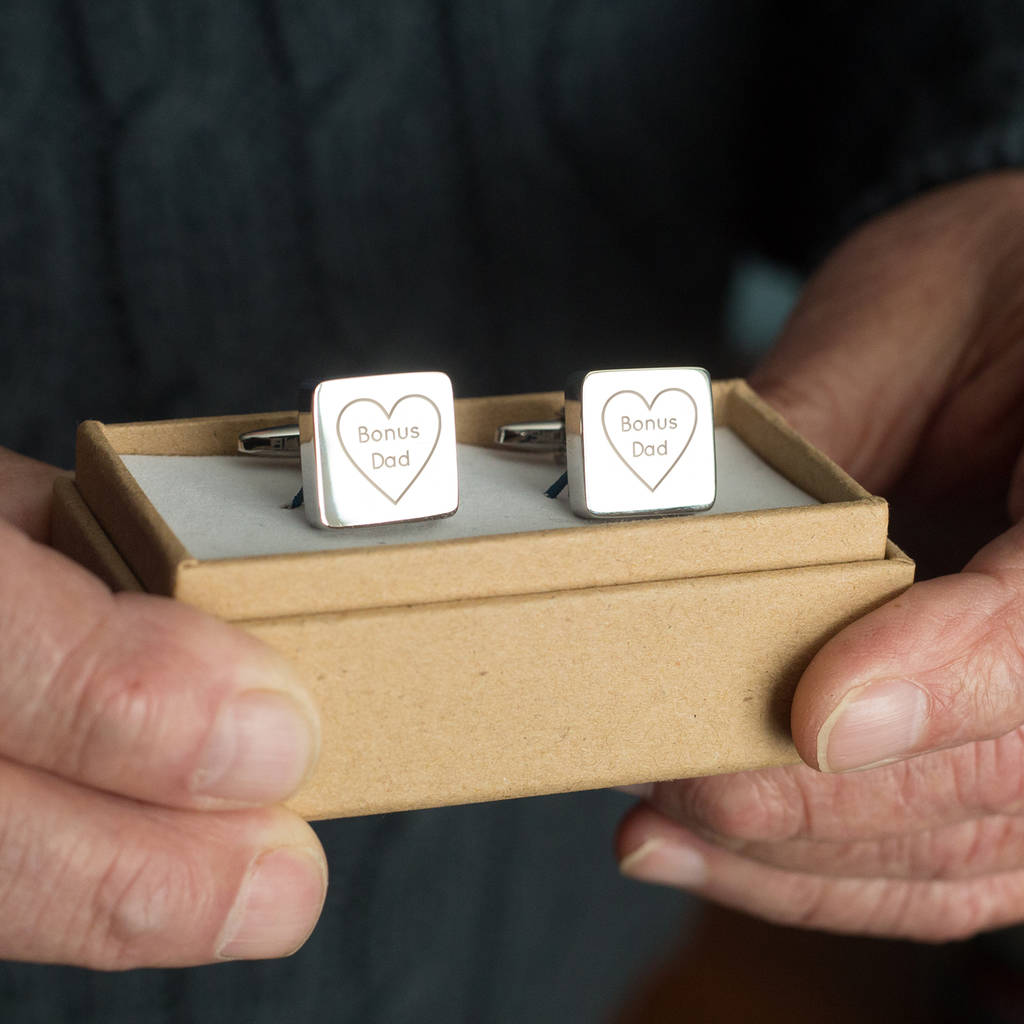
[202, 203]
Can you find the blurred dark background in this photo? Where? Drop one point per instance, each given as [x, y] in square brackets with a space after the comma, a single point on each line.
[204, 203]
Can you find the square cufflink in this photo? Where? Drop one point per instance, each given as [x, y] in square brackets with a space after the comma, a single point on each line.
[376, 449]
[640, 442]
[379, 449]
[636, 442]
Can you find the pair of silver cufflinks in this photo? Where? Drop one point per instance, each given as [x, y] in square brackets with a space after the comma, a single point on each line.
[382, 449]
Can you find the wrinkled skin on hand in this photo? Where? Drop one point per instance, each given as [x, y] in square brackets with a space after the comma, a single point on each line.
[142, 748]
[904, 361]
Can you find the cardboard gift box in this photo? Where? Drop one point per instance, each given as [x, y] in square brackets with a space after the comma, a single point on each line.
[513, 649]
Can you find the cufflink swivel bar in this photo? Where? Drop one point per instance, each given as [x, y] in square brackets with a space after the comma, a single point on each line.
[538, 436]
[283, 442]
[271, 442]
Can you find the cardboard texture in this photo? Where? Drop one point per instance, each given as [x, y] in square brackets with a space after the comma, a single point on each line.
[513, 665]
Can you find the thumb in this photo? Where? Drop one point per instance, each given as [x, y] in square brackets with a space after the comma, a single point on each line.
[939, 666]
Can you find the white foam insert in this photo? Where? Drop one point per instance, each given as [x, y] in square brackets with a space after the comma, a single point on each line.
[222, 506]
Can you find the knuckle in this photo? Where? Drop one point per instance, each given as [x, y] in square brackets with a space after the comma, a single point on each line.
[977, 693]
[818, 406]
[955, 910]
[752, 807]
[786, 392]
[806, 904]
[901, 856]
[107, 701]
[960, 912]
[994, 667]
[959, 851]
[949, 854]
[986, 777]
[18, 853]
[880, 906]
[114, 711]
[994, 844]
[1000, 773]
[136, 906]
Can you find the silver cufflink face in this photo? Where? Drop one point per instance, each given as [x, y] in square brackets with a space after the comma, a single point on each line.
[640, 442]
[379, 449]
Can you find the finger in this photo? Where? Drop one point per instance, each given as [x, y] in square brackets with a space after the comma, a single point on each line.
[141, 695]
[26, 487]
[653, 849]
[99, 881]
[868, 354]
[968, 849]
[797, 803]
[941, 665]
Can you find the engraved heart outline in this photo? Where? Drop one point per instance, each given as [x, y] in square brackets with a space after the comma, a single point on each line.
[387, 415]
[650, 408]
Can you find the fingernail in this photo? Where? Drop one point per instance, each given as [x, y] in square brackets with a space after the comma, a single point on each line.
[261, 747]
[641, 790]
[277, 906]
[874, 723]
[665, 863]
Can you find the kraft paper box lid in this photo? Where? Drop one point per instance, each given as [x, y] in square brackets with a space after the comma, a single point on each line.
[516, 664]
[139, 478]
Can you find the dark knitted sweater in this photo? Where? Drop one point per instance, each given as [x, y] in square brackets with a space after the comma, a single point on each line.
[203, 203]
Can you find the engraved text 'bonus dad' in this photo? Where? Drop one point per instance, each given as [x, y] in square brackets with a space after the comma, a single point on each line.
[390, 448]
[650, 437]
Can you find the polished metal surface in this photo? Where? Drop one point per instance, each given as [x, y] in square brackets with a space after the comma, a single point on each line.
[636, 442]
[374, 450]
[381, 450]
[539, 436]
[272, 442]
[640, 442]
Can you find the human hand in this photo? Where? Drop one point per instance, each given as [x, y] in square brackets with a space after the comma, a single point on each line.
[904, 361]
[141, 743]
